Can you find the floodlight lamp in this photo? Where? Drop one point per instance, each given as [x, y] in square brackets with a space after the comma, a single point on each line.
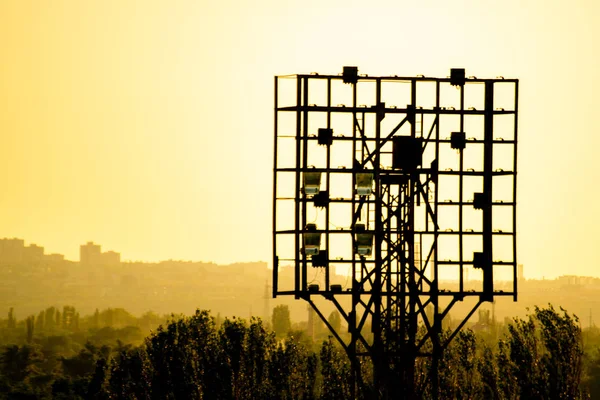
[363, 242]
[380, 107]
[350, 75]
[325, 136]
[457, 76]
[410, 113]
[480, 201]
[312, 240]
[478, 260]
[312, 183]
[458, 140]
[364, 183]
[321, 199]
[321, 259]
[407, 153]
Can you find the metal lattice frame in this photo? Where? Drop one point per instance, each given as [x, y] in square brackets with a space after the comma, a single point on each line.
[466, 153]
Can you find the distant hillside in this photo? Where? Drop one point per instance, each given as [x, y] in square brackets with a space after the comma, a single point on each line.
[165, 287]
[241, 289]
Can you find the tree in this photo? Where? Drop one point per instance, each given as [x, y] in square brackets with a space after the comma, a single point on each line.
[18, 363]
[562, 361]
[280, 320]
[96, 319]
[186, 359]
[289, 368]
[335, 370]
[12, 321]
[81, 364]
[30, 324]
[130, 375]
[232, 337]
[49, 317]
[39, 322]
[259, 345]
[541, 357]
[335, 320]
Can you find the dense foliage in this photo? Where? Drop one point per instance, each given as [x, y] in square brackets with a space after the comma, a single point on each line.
[105, 356]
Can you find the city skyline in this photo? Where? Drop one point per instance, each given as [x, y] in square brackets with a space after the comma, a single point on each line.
[14, 250]
[115, 259]
[89, 253]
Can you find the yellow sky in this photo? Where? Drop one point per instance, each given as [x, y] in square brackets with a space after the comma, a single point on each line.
[146, 125]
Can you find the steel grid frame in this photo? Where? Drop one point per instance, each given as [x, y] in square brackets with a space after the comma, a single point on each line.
[398, 286]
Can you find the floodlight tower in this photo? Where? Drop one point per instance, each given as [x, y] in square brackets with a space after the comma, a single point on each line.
[408, 186]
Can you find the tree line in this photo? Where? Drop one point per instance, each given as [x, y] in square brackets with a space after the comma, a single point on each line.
[201, 356]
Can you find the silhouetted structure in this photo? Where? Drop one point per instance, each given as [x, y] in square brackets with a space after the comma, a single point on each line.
[33, 254]
[11, 250]
[14, 252]
[416, 185]
[91, 254]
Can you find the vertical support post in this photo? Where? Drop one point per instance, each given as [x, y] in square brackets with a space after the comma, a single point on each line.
[436, 354]
[378, 352]
[488, 147]
[297, 196]
[275, 259]
[328, 184]
[352, 323]
[410, 265]
[460, 191]
[304, 167]
[514, 177]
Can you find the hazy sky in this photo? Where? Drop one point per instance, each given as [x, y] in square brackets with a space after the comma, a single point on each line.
[146, 126]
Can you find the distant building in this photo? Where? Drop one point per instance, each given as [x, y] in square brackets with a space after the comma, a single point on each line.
[14, 252]
[90, 254]
[55, 258]
[571, 280]
[111, 258]
[11, 251]
[33, 254]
